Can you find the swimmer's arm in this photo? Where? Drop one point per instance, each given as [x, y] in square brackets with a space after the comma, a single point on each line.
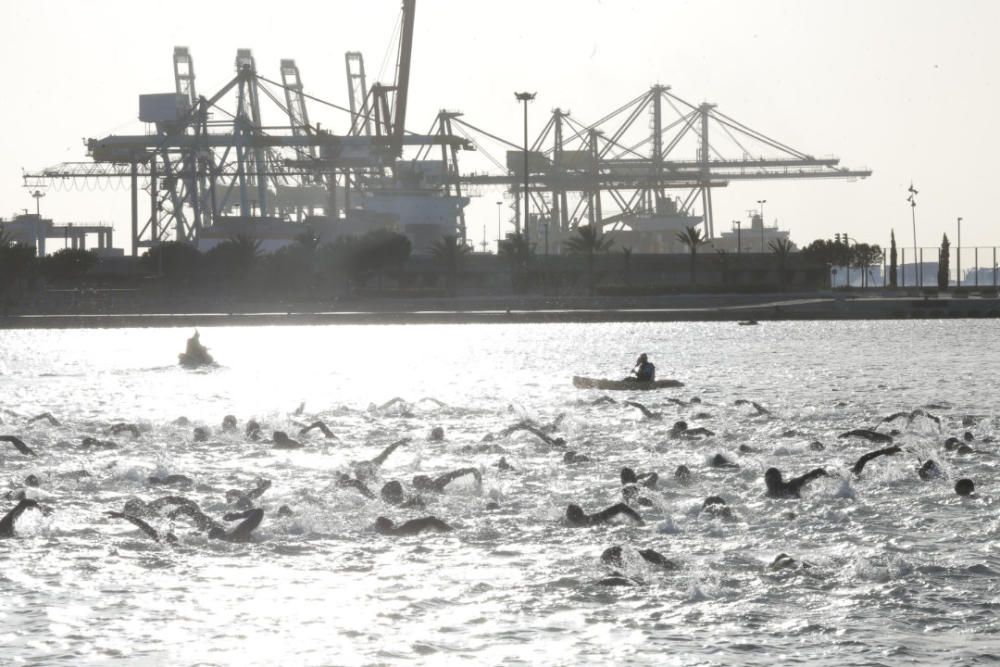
[380, 459]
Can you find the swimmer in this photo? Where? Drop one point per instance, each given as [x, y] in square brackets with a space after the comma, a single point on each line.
[572, 458]
[229, 423]
[777, 488]
[87, 443]
[18, 444]
[613, 556]
[503, 466]
[144, 527]
[720, 461]
[392, 494]
[425, 483]
[760, 409]
[345, 481]
[965, 487]
[646, 412]
[323, 428]
[577, 517]
[785, 562]
[435, 401]
[170, 480]
[717, 507]
[252, 430]
[867, 434]
[632, 496]
[241, 533]
[859, 465]
[910, 416]
[385, 526]
[530, 428]
[957, 446]
[244, 500]
[647, 479]
[7, 523]
[47, 416]
[281, 440]
[132, 429]
[682, 474]
[929, 470]
[365, 470]
[680, 429]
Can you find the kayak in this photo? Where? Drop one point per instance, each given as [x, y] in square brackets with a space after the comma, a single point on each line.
[625, 385]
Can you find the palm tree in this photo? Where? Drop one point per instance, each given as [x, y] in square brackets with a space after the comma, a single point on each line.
[588, 242]
[517, 250]
[692, 238]
[781, 249]
[723, 258]
[450, 253]
[627, 262]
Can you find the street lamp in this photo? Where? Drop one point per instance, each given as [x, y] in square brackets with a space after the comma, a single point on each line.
[499, 204]
[762, 202]
[38, 194]
[739, 237]
[913, 215]
[525, 98]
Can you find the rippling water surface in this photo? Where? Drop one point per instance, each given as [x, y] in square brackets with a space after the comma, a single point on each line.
[901, 570]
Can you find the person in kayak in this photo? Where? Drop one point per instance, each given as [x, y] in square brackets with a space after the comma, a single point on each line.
[643, 371]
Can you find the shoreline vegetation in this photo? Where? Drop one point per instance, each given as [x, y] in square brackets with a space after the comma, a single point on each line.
[889, 304]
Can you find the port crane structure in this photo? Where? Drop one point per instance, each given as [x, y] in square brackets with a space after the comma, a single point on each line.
[207, 163]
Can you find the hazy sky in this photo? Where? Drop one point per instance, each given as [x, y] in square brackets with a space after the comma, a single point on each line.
[906, 88]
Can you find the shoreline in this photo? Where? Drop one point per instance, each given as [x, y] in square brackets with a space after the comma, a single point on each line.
[527, 310]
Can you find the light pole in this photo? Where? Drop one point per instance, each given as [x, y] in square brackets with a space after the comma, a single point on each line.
[739, 236]
[499, 204]
[761, 202]
[913, 216]
[525, 98]
[37, 194]
[958, 255]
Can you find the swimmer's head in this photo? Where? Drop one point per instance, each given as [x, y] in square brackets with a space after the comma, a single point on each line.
[643, 358]
[628, 476]
[682, 474]
[680, 425]
[200, 434]
[772, 477]
[612, 556]
[135, 507]
[216, 533]
[964, 487]
[713, 500]
[574, 513]
[392, 492]
[280, 436]
[437, 434]
[31, 480]
[229, 423]
[383, 525]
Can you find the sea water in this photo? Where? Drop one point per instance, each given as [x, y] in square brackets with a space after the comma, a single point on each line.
[900, 570]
